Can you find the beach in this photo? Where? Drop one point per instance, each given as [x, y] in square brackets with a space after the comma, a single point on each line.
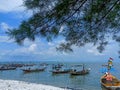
[20, 85]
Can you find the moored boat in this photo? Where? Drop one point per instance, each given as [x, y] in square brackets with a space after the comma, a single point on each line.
[114, 84]
[33, 70]
[82, 72]
[75, 70]
[61, 71]
[109, 81]
[7, 68]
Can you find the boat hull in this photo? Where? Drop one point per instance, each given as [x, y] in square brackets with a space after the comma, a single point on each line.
[36, 70]
[2, 69]
[83, 72]
[60, 72]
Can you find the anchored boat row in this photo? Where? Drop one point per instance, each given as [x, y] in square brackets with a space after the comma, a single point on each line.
[55, 69]
[74, 70]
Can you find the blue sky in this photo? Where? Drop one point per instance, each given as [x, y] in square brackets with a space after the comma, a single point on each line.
[12, 12]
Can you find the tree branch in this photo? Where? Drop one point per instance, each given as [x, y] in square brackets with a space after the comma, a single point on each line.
[70, 15]
[75, 11]
[98, 23]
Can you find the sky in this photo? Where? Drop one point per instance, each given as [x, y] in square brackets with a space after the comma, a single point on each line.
[12, 12]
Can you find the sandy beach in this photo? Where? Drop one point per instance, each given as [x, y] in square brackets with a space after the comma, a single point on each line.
[20, 85]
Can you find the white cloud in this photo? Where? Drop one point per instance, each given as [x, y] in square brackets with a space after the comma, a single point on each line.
[44, 50]
[25, 50]
[32, 47]
[60, 41]
[18, 51]
[5, 39]
[11, 5]
[3, 29]
[94, 51]
[39, 48]
[50, 44]
[4, 26]
[61, 28]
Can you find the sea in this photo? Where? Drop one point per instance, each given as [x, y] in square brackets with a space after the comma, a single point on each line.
[90, 81]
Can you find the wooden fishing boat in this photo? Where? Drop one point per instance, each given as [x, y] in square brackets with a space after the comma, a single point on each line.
[110, 85]
[7, 68]
[33, 70]
[82, 72]
[60, 71]
[75, 70]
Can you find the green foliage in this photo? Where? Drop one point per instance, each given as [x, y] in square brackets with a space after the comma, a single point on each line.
[84, 21]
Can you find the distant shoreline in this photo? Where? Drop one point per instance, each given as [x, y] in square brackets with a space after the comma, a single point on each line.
[21, 85]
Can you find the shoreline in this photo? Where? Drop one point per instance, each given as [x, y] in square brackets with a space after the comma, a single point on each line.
[21, 85]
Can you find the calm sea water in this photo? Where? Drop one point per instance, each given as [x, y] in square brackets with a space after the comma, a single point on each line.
[86, 82]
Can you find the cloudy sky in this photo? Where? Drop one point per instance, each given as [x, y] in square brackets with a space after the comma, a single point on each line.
[12, 12]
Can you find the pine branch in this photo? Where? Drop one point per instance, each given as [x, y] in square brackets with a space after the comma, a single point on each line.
[76, 10]
[73, 4]
[98, 23]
